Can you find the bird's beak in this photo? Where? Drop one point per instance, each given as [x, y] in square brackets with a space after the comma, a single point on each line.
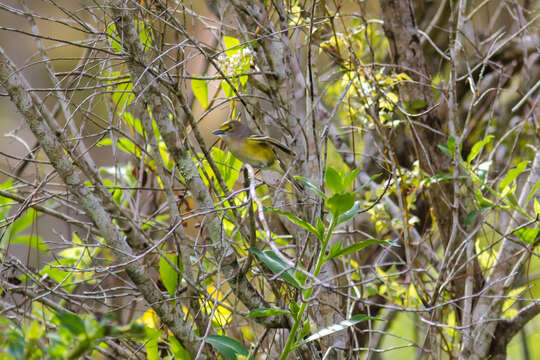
[218, 132]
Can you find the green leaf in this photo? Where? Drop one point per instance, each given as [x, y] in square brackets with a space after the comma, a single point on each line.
[72, 322]
[134, 123]
[23, 222]
[340, 203]
[312, 187]
[169, 276]
[512, 174]
[200, 90]
[333, 181]
[30, 240]
[15, 346]
[445, 150]
[417, 104]
[349, 214]
[295, 220]
[227, 165]
[334, 249]
[152, 351]
[232, 45]
[116, 46]
[294, 308]
[471, 217]
[477, 148]
[356, 247]
[124, 144]
[178, 350]
[262, 312]
[348, 180]
[533, 191]
[528, 234]
[277, 266]
[145, 34]
[451, 144]
[228, 347]
[320, 227]
[337, 327]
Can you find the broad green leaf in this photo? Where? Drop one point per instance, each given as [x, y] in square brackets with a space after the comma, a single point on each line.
[348, 180]
[512, 174]
[228, 347]
[152, 351]
[15, 346]
[134, 123]
[4, 200]
[349, 214]
[416, 104]
[124, 144]
[30, 240]
[169, 276]
[333, 181]
[72, 322]
[295, 220]
[227, 165]
[145, 34]
[178, 350]
[477, 148]
[528, 234]
[337, 327]
[312, 187]
[261, 312]
[116, 46]
[24, 221]
[340, 203]
[278, 267]
[232, 45]
[200, 90]
[357, 247]
[470, 218]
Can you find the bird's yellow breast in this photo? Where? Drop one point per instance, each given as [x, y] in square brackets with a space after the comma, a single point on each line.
[256, 153]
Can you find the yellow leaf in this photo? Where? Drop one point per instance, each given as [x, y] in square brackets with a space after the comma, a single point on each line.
[150, 319]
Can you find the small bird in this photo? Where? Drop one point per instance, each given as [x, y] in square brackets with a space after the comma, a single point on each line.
[256, 150]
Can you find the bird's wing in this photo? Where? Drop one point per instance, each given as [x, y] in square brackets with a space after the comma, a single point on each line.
[272, 141]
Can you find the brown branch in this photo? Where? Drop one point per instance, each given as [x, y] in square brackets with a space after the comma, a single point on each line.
[31, 109]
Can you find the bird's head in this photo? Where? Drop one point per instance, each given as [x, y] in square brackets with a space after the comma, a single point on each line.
[234, 129]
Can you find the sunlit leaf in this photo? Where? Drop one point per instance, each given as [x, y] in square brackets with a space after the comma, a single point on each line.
[528, 234]
[30, 240]
[512, 174]
[340, 203]
[169, 276]
[477, 148]
[337, 327]
[231, 45]
[179, 352]
[200, 90]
